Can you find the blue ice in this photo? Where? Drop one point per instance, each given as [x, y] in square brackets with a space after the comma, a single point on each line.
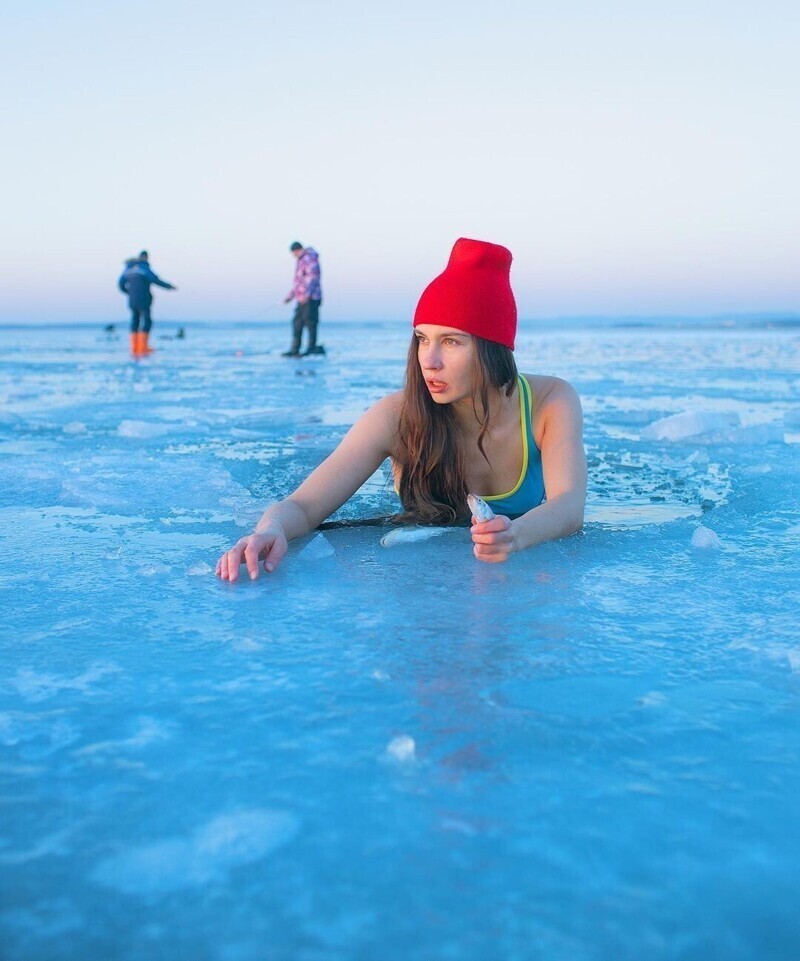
[588, 753]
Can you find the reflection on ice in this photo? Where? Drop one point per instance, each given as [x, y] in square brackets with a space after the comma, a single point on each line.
[205, 856]
[37, 736]
[147, 731]
[34, 686]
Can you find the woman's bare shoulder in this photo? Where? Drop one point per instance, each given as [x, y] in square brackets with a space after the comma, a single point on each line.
[388, 408]
[393, 401]
[379, 424]
[548, 390]
[383, 416]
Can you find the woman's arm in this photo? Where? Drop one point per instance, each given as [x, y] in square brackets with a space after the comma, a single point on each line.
[361, 452]
[564, 470]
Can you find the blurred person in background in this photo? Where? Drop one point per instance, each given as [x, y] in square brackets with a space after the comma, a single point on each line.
[307, 292]
[135, 282]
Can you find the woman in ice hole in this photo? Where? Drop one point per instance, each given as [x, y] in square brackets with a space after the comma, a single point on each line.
[464, 422]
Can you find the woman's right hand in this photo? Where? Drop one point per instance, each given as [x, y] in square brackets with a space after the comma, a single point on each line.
[269, 544]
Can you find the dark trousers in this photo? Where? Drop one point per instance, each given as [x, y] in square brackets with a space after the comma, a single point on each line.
[305, 315]
[144, 314]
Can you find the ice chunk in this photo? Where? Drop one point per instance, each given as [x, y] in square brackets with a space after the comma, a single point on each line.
[705, 538]
[401, 748]
[74, 427]
[199, 569]
[409, 535]
[791, 418]
[142, 429]
[173, 864]
[690, 424]
[316, 549]
[247, 644]
[653, 699]
[459, 826]
[754, 435]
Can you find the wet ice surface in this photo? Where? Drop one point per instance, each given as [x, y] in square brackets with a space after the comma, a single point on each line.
[590, 752]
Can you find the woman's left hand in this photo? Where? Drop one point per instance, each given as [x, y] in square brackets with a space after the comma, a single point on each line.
[493, 540]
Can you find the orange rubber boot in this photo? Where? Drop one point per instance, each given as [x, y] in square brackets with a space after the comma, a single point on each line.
[145, 345]
[134, 345]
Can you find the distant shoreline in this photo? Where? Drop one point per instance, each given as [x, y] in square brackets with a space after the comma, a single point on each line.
[759, 321]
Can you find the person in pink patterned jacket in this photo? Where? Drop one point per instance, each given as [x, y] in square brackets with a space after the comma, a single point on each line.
[307, 292]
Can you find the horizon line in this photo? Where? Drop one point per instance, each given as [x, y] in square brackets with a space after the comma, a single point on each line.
[785, 317]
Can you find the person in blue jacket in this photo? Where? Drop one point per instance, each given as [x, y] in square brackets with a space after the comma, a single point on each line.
[135, 282]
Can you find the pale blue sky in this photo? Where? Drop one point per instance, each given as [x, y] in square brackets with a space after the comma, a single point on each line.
[636, 157]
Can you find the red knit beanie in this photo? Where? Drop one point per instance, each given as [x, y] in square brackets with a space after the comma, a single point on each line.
[473, 293]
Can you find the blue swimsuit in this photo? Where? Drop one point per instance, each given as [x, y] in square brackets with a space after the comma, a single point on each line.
[529, 490]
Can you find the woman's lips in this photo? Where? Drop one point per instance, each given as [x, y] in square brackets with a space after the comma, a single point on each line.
[436, 386]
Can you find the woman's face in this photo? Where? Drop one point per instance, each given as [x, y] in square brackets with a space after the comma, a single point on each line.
[446, 358]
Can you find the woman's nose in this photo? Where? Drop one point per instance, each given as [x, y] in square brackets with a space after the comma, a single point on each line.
[431, 359]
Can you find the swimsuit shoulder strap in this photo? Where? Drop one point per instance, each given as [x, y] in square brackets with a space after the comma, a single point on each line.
[528, 401]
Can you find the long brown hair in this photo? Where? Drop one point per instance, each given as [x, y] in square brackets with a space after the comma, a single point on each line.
[430, 455]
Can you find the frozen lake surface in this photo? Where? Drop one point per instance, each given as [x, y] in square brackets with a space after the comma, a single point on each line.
[588, 753]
